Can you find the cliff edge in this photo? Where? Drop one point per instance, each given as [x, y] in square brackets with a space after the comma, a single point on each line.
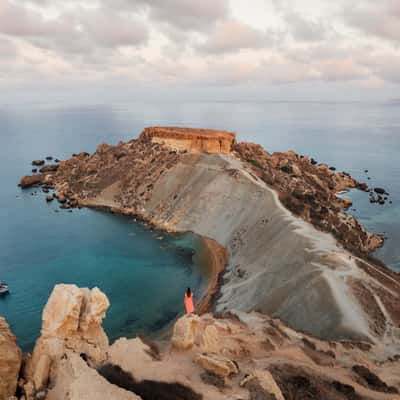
[191, 139]
[228, 356]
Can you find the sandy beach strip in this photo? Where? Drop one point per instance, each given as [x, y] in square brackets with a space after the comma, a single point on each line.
[215, 257]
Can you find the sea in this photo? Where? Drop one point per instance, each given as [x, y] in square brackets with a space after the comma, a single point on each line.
[143, 272]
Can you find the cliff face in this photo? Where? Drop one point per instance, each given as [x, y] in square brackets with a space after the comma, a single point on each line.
[10, 361]
[190, 139]
[71, 322]
[233, 356]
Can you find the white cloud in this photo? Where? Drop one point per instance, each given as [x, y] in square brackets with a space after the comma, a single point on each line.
[379, 18]
[231, 36]
[201, 42]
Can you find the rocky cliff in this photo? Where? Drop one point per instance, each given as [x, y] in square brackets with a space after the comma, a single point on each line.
[292, 251]
[190, 139]
[10, 361]
[247, 356]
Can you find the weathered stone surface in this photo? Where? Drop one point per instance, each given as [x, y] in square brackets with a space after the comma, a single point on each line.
[77, 381]
[10, 361]
[216, 364]
[261, 382]
[190, 139]
[185, 330]
[71, 321]
[310, 191]
[49, 168]
[30, 180]
[41, 373]
[209, 341]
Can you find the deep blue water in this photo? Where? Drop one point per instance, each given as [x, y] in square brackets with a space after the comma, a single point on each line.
[143, 276]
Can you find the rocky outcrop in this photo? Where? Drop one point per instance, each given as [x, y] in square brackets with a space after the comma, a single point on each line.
[10, 361]
[310, 190]
[31, 180]
[190, 139]
[256, 358]
[276, 259]
[71, 322]
[234, 355]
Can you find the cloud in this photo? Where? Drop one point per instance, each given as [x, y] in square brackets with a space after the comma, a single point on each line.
[304, 29]
[76, 30]
[214, 42]
[378, 18]
[231, 36]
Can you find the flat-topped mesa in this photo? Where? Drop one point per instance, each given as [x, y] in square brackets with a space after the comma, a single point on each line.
[191, 139]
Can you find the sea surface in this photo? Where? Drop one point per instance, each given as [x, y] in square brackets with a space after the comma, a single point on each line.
[145, 273]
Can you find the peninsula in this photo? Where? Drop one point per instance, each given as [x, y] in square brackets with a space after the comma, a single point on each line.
[296, 304]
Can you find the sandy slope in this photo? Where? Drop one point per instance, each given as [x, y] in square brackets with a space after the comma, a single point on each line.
[278, 263]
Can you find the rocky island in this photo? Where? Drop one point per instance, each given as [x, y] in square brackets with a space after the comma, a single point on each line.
[296, 309]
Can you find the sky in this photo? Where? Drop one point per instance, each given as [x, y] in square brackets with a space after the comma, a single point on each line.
[200, 49]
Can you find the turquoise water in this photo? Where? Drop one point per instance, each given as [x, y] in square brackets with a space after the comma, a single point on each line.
[143, 276]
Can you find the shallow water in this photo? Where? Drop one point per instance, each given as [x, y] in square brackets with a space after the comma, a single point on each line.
[142, 275]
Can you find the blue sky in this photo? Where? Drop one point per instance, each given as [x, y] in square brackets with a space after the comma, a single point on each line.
[209, 49]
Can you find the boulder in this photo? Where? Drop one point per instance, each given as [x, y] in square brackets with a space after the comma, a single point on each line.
[209, 341]
[185, 331]
[10, 361]
[49, 168]
[71, 321]
[31, 180]
[217, 365]
[77, 381]
[380, 190]
[49, 198]
[38, 163]
[262, 385]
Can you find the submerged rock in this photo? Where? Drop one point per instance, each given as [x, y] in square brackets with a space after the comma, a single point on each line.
[38, 162]
[380, 190]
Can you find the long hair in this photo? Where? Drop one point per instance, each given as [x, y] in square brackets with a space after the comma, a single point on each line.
[188, 292]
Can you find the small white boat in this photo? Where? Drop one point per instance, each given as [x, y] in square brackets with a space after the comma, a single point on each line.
[3, 288]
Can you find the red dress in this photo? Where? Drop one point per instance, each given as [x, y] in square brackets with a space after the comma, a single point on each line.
[189, 304]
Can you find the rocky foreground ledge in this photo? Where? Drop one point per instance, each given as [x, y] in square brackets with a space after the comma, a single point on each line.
[241, 356]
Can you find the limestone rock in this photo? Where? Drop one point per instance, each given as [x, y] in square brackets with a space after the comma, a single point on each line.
[216, 364]
[42, 372]
[72, 321]
[10, 361]
[77, 381]
[190, 139]
[184, 334]
[30, 180]
[209, 342]
[262, 382]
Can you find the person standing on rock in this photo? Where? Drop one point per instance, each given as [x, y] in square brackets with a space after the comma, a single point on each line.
[189, 301]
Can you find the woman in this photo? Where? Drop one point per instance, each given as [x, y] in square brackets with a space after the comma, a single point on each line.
[189, 301]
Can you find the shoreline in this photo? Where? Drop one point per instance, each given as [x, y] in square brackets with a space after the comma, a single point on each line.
[215, 258]
[212, 257]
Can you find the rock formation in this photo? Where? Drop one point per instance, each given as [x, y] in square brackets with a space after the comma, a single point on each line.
[71, 322]
[277, 259]
[229, 356]
[190, 139]
[10, 361]
[292, 253]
